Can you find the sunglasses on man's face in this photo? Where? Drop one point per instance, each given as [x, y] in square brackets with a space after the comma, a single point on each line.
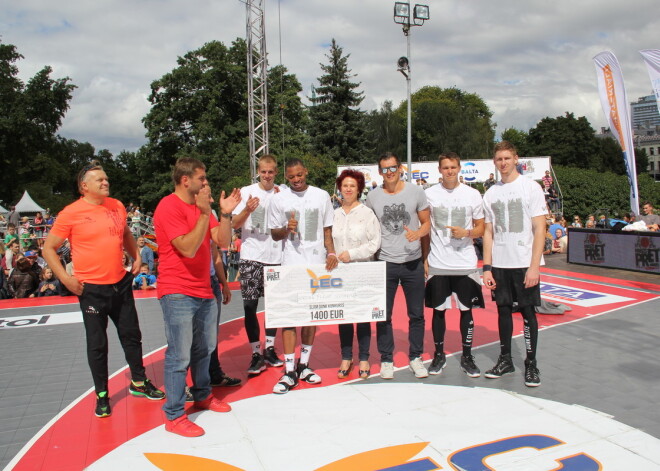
[385, 170]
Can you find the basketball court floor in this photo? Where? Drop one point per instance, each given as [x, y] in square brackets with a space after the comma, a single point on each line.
[598, 406]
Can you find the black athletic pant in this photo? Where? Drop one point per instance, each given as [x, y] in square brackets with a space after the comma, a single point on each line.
[439, 327]
[252, 323]
[531, 329]
[98, 303]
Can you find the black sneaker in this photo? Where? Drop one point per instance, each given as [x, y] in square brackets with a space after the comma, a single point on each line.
[103, 405]
[271, 358]
[147, 390]
[438, 363]
[306, 374]
[286, 383]
[257, 365]
[189, 396]
[225, 380]
[469, 366]
[532, 375]
[503, 366]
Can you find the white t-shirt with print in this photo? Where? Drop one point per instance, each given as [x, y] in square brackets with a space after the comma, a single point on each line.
[510, 208]
[257, 244]
[455, 207]
[313, 210]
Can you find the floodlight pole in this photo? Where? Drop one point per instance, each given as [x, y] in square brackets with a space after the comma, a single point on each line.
[406, 31]
[402, 16]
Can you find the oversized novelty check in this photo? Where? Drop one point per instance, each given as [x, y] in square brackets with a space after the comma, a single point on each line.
[300, 295]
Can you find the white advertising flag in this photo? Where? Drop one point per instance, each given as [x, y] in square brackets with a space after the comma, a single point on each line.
[615, 105]
[652, 59]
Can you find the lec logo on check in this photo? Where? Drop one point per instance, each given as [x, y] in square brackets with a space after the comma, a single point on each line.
[323, 282]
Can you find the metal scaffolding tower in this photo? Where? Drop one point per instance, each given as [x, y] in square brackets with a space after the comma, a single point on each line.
[257, 64]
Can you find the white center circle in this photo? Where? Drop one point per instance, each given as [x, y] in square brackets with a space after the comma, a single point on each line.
[379, 426]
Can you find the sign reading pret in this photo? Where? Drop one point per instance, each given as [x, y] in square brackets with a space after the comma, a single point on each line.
[300, 295]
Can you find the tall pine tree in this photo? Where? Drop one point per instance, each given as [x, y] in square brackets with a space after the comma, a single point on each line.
[336, 125]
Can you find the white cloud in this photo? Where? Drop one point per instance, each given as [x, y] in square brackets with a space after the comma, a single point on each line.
[527, 60]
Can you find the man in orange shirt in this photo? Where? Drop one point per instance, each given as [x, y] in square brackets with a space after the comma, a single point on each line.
[96, 228]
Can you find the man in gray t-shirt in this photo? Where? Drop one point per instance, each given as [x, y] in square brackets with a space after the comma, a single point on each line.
[651, 219]
[403, 212]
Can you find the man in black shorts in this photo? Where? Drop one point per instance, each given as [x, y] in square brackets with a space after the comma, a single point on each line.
[513, 253]
[257, 251]
[450, 260]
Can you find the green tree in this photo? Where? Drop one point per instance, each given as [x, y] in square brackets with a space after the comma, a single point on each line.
[585, 191]
[568, 140]
[449, 119]
[199, 109]
[30, 115]
[287, 118]
[386, 131]
[336, 125]
[518, 138]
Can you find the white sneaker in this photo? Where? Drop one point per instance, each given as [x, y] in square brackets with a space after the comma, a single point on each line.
[306, 374]
[288, 381]
[417, 367]
[387, 370]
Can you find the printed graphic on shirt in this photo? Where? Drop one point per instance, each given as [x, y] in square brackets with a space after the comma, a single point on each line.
[118, 222]
[442, 218]
[394, 218]
[258, 220]
[516, 219]
[311, 224]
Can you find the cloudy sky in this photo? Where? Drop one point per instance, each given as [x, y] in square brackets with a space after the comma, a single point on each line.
[526, 59]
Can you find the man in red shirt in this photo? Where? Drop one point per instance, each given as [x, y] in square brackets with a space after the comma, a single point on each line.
[184, 227]
[100, 281]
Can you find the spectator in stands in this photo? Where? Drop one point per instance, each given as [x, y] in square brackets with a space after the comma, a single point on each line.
[602, 222]
[136, 221]
[591, 222]
[629, 218]
[547, 245]
[547, 180]
[554, 227]
[49, 285]
[32, 256]
[651, 219]
[577, 222]
[126, 261]
[560, 243]
[551, 198]
[11, 234]
[13, 216]
[146, 253]
[490, 182]
[38, 225]
[11, 256]
[23, 282]
[49, 220]
[144, 280]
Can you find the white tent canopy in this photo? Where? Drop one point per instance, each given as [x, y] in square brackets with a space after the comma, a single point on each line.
[27, 205]
[3, 210]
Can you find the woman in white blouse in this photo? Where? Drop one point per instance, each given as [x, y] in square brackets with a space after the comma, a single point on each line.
[356, 234]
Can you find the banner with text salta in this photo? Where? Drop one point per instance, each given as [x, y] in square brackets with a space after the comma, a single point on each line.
[652, 59]
[615, 105]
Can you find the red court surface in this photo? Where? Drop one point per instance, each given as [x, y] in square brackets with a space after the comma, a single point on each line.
[76, 438]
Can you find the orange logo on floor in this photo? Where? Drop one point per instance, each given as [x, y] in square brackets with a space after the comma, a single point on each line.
[382, 459]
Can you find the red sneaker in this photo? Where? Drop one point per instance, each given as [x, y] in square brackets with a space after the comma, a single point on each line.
[212, 403]
[184, 427]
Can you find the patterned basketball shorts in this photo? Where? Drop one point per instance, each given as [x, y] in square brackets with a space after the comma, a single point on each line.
[252, 279]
